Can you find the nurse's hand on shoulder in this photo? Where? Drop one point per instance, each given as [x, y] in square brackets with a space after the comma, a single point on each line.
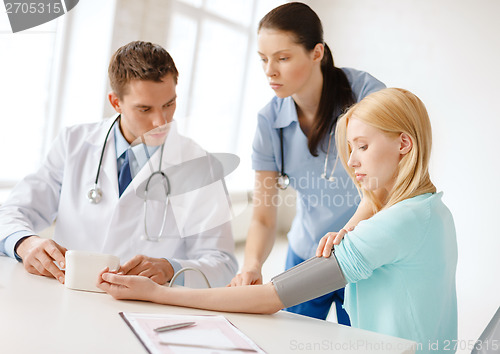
[157, 269]
[38, 255]
[127, 287]
[247, 277]
[327, 242]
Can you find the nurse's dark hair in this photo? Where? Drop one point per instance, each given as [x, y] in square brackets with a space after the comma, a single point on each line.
[304, 25]
[139, 61]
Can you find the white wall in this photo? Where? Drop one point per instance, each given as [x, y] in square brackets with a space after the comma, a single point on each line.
[84, 65]
[448, 53]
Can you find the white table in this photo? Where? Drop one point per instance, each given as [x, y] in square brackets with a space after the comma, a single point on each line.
[39, 315]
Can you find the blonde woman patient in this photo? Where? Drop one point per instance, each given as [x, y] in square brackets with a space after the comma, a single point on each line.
[399, 265]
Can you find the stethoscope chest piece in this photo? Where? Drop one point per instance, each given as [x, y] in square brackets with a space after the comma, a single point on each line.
[94, 195]
[282, 181]
[329, 179]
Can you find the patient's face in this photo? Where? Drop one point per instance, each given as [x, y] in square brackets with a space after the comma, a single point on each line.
[375, 155]
[147, 105]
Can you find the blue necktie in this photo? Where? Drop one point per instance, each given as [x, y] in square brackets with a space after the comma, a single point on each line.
[124, 176]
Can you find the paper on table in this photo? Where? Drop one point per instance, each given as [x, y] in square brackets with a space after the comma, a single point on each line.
[198, 336]
[210, 330]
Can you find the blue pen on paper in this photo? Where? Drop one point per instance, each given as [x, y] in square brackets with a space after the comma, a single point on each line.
[174, 326]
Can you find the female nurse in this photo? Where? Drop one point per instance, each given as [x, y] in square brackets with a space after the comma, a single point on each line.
[295, 138]
[400, 263]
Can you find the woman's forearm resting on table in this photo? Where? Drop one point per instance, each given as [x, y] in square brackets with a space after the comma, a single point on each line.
[248, 299]
[306, 281]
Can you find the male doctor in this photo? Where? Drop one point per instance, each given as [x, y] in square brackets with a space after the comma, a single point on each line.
[143, 79]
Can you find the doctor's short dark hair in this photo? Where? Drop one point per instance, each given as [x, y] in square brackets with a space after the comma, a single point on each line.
[139, 61]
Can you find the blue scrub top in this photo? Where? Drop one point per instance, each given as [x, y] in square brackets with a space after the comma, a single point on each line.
[321, 206]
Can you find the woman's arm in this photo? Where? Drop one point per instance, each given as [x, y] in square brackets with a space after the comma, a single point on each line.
[363, 212]
[248, 299]
[262, 231]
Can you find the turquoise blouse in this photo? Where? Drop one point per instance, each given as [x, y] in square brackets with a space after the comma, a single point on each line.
[400, 265]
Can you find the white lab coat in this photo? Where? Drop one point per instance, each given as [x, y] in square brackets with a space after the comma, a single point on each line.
[115, 225]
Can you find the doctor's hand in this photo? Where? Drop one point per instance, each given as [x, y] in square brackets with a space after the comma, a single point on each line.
[157, 269]
[127, 287]
[38, 255]
[327, 242]
[247, 277]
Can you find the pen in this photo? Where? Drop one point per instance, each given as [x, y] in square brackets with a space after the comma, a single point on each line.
[174, 326]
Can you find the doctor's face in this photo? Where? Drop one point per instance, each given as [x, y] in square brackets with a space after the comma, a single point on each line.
[145, 106]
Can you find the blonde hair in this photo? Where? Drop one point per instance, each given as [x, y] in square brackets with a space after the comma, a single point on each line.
[393, 110]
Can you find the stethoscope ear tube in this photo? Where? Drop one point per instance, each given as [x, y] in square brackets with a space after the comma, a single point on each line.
[282, 181]
[166, 188]
[94, 195]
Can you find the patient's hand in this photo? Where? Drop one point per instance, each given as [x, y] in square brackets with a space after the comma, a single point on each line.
[127, 287]
[327, 242]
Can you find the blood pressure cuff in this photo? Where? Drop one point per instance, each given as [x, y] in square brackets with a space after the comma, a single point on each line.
[308, 280]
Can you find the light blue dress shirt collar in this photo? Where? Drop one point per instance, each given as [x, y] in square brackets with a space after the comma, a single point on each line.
[121, 144]
[141, 152]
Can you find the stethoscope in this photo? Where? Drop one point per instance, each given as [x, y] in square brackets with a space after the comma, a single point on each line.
[283, 181]
[94, 195]
[166, 188]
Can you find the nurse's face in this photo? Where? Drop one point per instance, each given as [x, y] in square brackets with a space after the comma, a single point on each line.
[287, 65]
[375, 154]
[145, 106]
